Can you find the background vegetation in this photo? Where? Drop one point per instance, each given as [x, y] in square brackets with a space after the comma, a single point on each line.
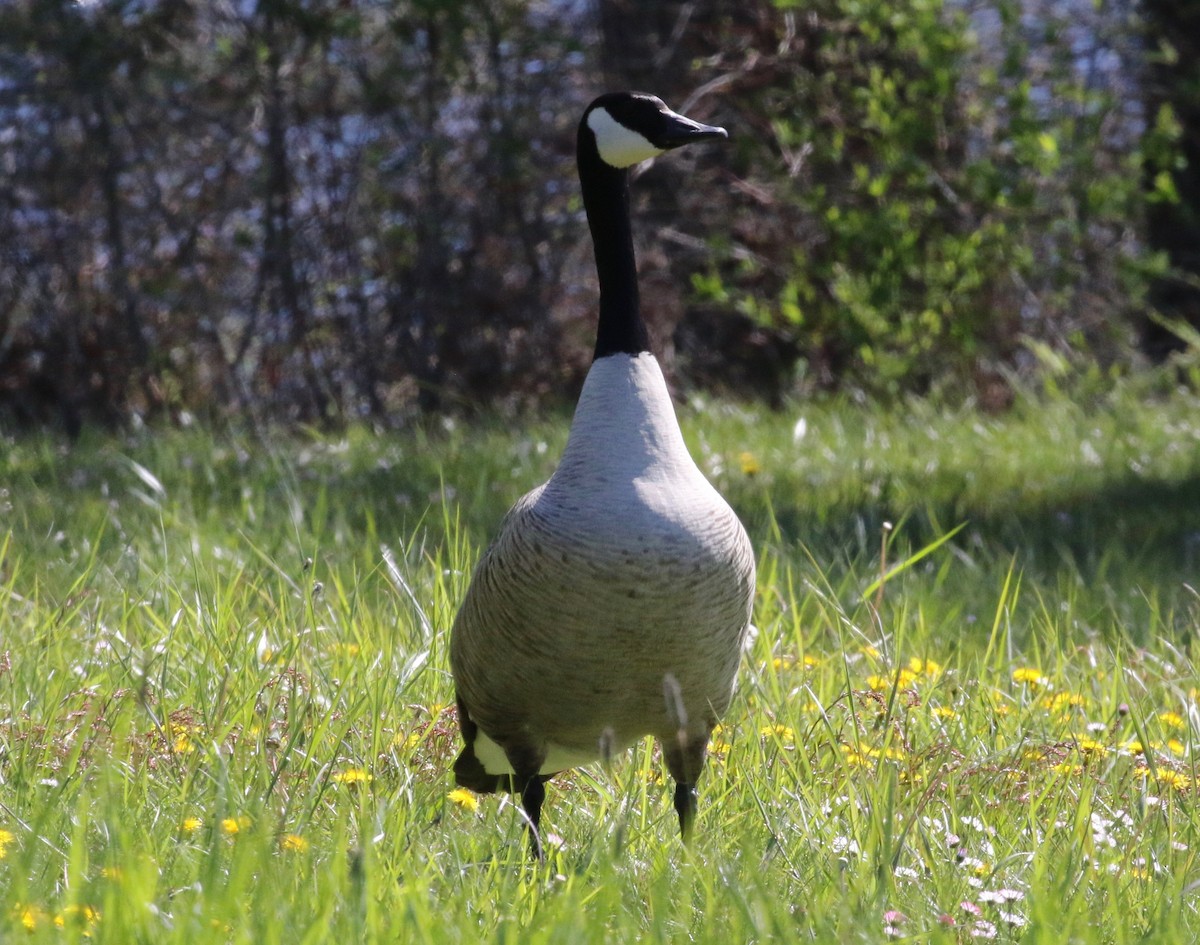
[323, 209]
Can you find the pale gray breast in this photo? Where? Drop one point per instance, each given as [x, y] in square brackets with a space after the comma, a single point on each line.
[626, 568]
[591, 595]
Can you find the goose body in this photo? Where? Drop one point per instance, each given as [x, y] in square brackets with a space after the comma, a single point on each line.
[615, 600]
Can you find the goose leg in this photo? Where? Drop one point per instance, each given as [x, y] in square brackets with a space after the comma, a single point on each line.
[531, 800]
[685, 761]
[527, 778]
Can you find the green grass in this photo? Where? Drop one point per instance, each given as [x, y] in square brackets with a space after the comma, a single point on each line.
[224, 689]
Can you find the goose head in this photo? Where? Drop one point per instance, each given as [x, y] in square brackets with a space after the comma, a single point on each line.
[626, 128]
[617, 131]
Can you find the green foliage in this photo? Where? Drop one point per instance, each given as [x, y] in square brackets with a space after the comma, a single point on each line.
[949, 184]
[224, 692]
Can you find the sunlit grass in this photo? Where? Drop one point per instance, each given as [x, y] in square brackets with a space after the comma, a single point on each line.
[225, 711]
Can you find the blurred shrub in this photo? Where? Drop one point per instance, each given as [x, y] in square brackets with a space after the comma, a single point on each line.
[308, 209]
[930, 187]
[313, 210]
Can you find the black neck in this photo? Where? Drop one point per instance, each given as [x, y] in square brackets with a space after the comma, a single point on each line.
[606, 200]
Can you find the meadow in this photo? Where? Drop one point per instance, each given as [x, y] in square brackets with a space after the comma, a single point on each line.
[970, 712]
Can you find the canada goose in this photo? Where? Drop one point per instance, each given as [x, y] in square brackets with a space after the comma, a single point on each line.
[615, 601]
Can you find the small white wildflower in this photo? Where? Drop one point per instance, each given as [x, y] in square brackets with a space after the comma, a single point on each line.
[845, 845]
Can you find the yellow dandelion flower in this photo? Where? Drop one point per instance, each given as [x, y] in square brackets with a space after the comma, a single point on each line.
[924, 667]
[406, 742]
[718, 749]
[1063, 701]
[293, 843]
[870, 651]
[1089, 746]
[782, 732]
[856, 759]
[1174, 779]
[749, 463]
[902, 679]
[183, 744]
[944, 712]
[232, 826]
[191, 824]
[1176, 747]
[889, 753]
[30, 917]
[1066, 769]
[1134, 747]
[78, 915]
[867, 755]
[1171, 719]
[352, 776]
[1029, 675]
[461, 797]
[6, 840]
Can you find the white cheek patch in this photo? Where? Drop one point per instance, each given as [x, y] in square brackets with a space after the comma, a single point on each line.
[618, 146]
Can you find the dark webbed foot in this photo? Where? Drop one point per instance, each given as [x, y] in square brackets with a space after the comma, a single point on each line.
[685, 761]
[685, 807]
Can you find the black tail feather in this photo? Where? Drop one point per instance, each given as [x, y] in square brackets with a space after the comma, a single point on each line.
[468, 769]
